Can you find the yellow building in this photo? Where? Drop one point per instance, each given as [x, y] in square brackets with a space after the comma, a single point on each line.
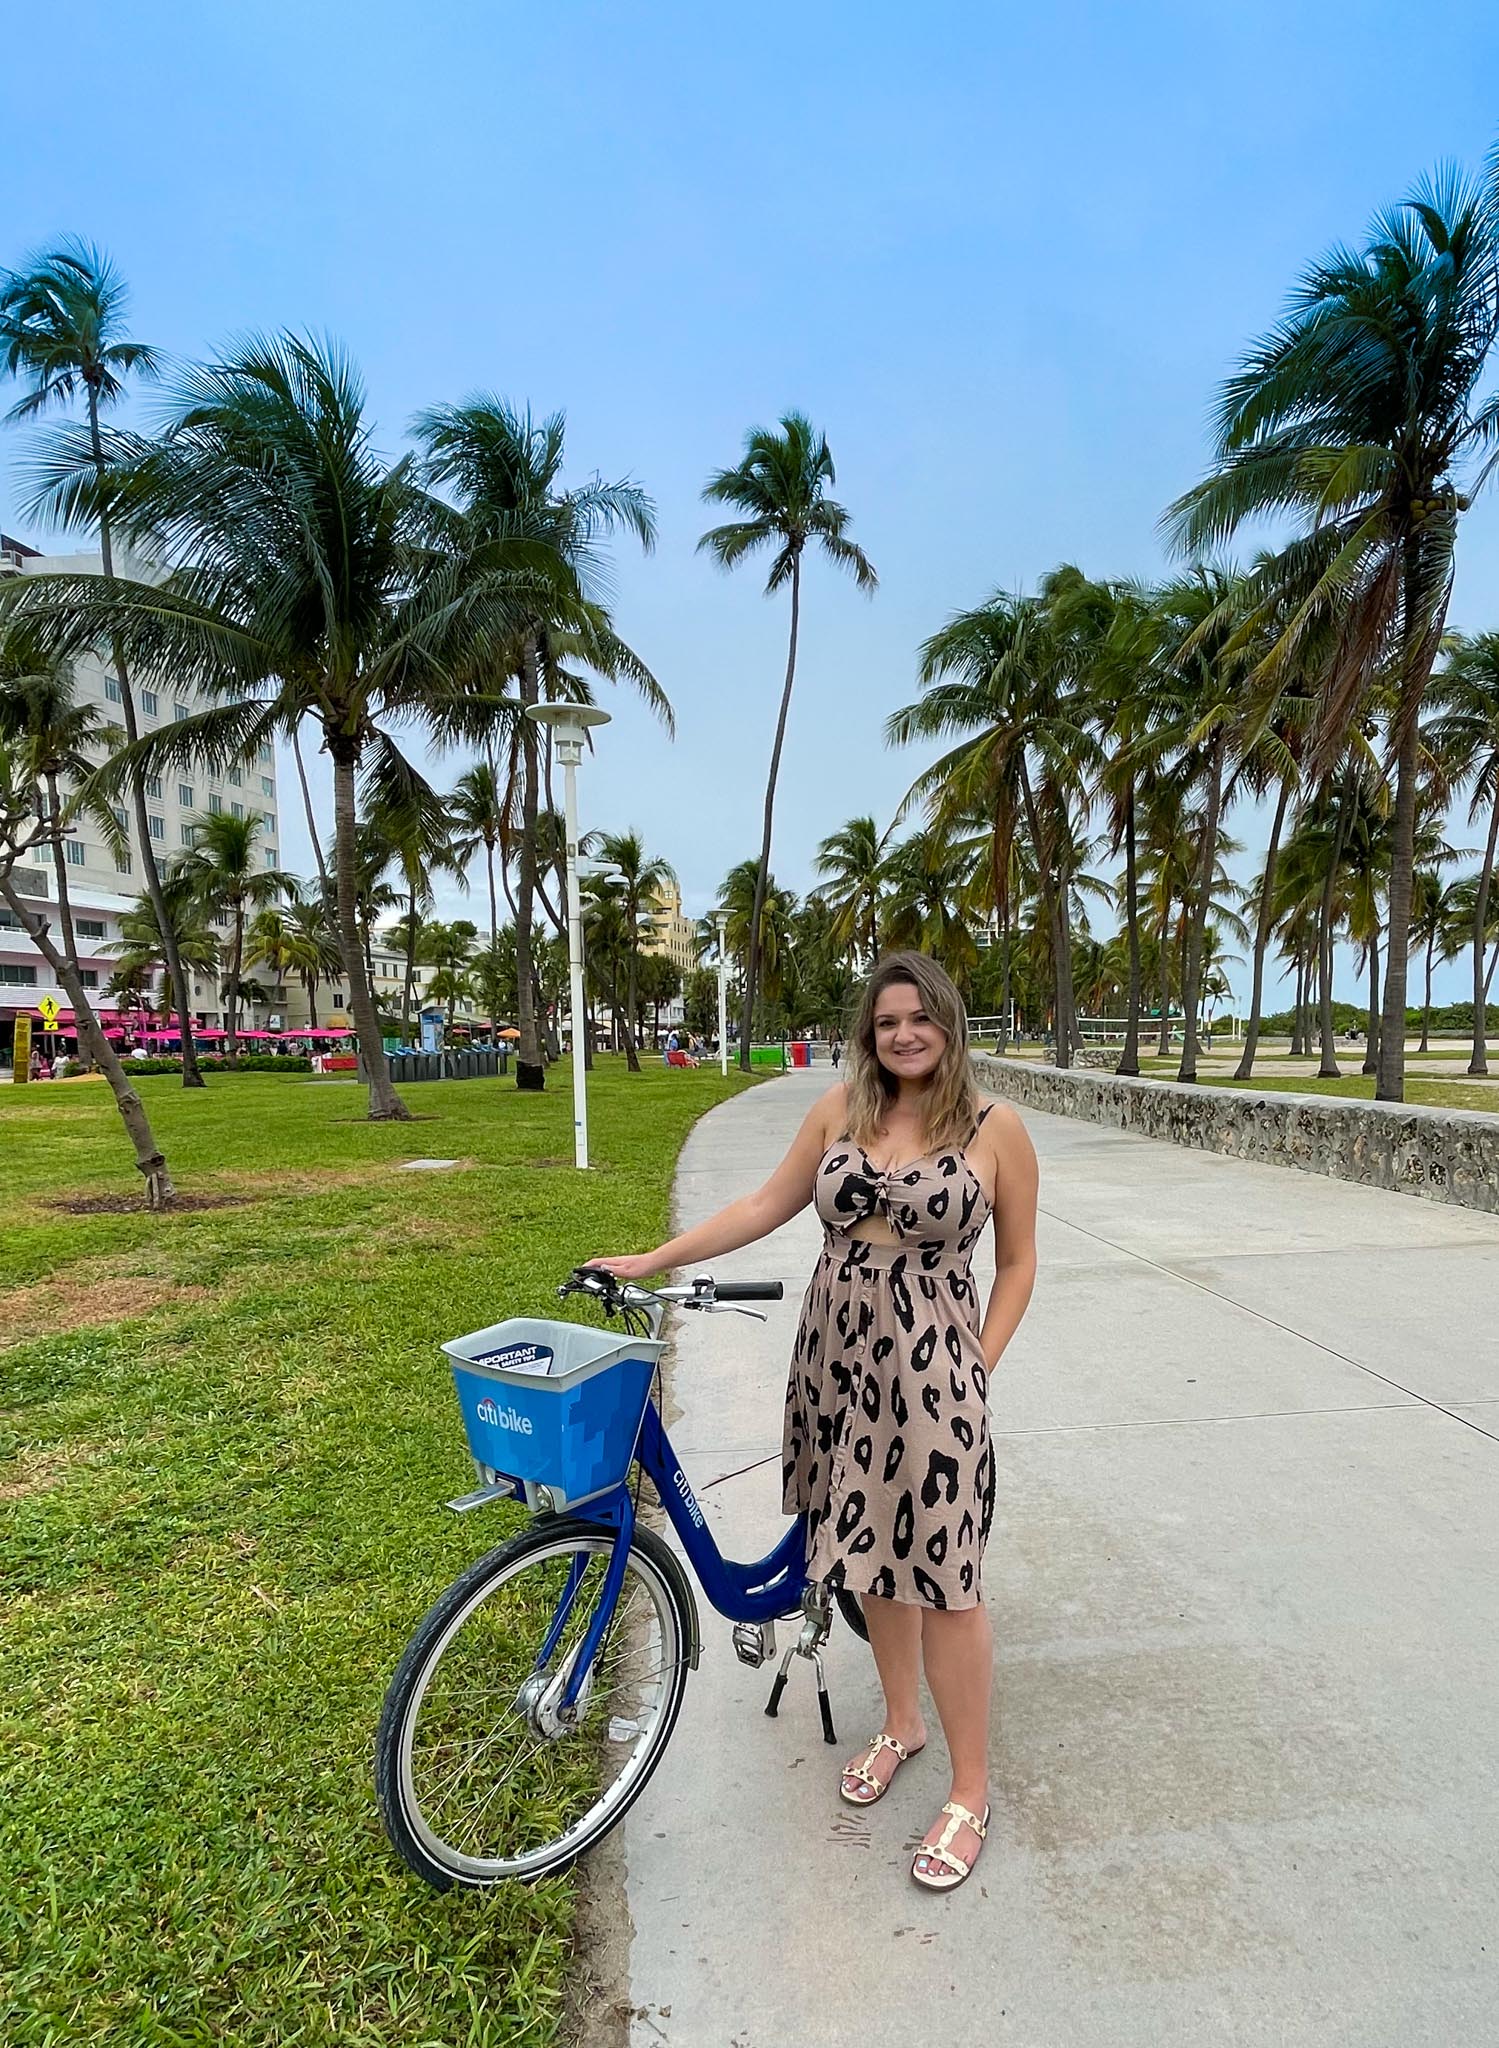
[672, 935]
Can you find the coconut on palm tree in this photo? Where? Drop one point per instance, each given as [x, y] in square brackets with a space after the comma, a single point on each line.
[780, 486]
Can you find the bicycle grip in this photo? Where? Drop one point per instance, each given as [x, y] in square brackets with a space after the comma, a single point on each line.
[748, 1290]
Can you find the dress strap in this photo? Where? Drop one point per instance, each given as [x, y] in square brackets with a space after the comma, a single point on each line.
[984, 1112]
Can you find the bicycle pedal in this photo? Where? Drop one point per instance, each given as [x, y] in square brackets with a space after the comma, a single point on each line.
[754, 1642]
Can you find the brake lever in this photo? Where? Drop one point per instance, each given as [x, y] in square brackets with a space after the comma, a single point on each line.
[734, 1308]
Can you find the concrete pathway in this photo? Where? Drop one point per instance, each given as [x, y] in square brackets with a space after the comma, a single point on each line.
[1245, 1584]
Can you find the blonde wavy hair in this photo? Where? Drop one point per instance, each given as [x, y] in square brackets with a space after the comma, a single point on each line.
[952, 1099]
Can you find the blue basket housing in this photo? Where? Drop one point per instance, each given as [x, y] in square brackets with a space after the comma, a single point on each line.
[553, 1404]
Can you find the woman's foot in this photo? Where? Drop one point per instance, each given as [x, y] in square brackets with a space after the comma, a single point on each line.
[866, 1777]
[951, 1845]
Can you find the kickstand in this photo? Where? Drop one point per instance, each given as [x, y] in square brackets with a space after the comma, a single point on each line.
[824, 1701]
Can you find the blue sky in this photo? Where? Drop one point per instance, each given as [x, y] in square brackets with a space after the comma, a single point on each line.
[1002, 255]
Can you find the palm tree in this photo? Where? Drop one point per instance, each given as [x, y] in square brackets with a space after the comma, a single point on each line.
[407, 825]
[506, 467]
[316, 583]
[1194, 702]
[930, 877]
[780, 485]
[225, 873]
[851, 862]
[58, 743]
[478, 812]
[1005, 679]
[1466, 727]
[313, 946]
[642, 877]
[739, 895]
[1434, 908]
[25, 826]
[61, 328]
[1358, 413]
[449, 948]
[141, 948]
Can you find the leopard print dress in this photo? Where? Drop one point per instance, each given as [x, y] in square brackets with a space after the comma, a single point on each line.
[886, 1446]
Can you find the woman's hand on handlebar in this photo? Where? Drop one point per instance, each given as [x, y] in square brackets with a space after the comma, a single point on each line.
[637, 1266]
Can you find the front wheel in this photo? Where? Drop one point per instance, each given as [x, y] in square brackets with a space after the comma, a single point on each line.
[480, 1772]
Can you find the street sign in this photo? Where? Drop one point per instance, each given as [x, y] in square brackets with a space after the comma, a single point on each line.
[48, 1008]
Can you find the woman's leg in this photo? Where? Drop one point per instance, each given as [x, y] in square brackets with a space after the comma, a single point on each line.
[895, 1638]
[958, 1647]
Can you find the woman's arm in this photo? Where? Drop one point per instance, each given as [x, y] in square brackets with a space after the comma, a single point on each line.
[1015, 1179]
[752, 1216]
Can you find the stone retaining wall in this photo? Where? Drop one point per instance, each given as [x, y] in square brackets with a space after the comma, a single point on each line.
[1446, 1155]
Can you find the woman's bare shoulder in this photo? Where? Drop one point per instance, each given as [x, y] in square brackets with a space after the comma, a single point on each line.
[1002, 1122]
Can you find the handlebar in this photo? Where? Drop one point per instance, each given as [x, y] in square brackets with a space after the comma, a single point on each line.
[623, 1296]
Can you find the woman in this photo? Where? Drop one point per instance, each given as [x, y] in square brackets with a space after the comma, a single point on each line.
[886, 1444]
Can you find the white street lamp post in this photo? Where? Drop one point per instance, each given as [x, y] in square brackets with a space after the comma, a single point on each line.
[569, 726]
[722, 921]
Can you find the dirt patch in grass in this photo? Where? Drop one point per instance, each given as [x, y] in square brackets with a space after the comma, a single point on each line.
[37, 1471]
[75, 1299]
[128, 1205]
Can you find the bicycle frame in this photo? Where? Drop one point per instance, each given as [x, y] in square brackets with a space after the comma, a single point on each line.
[763, 1590]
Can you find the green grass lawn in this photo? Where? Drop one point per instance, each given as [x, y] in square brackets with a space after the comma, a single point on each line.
[1427, 1089]
[225, 1438]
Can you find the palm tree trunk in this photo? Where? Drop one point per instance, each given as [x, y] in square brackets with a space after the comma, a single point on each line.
[172, 958]
[1197, 921]
[385, 1105]
[64, 901]
[310, 982]
[1245, 1069]
[1006, 980]
[149, 1160]
[312, 832]
[529, 1071]
[1431, 946]
[632, 989]
[762, 878]
[1298, 1005]
[494, 910]
[1163, 975]
[1371, 1029]
[1479, 1061]
[1328, 1069]
[1129, 1059]
[408, 979]
[236, 969]
[1056, 917]
[1390, 1084]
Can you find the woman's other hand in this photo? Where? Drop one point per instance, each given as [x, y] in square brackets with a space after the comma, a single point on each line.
[637, 1266]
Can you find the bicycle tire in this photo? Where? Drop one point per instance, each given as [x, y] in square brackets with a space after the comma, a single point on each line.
[851, 1609]
[422, 1846]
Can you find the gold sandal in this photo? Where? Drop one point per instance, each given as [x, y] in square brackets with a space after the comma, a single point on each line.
[941, 1851]
[865, 1775]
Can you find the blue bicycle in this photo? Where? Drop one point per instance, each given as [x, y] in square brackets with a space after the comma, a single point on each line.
[539, 1693]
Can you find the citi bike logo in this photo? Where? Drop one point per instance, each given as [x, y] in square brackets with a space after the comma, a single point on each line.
[503, 1418]
[693, 1510]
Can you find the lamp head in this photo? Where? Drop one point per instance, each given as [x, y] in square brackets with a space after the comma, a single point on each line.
[569, 725]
